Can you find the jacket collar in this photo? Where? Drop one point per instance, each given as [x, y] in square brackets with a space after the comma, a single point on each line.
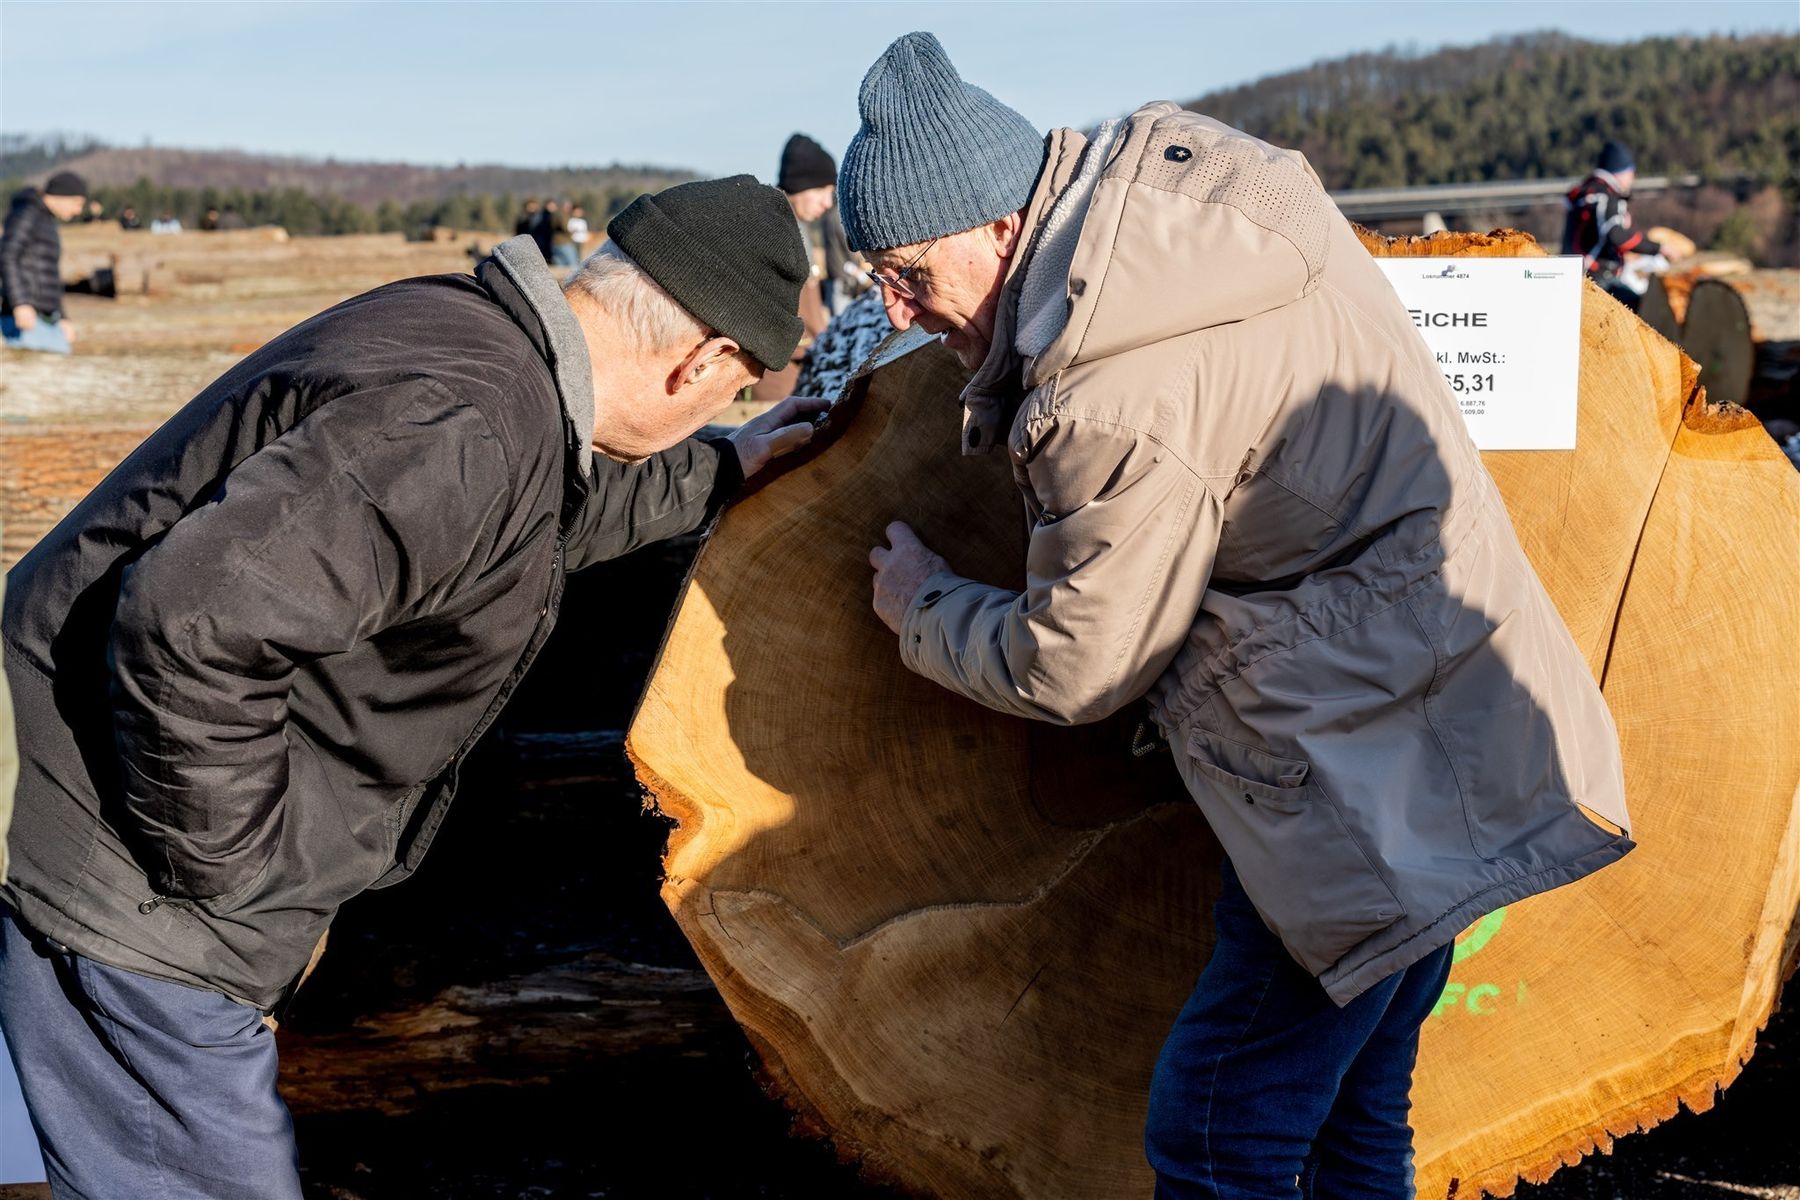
[520, 282]
[993, 393]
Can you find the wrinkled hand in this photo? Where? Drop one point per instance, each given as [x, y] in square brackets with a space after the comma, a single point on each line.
[25, 317]
[786, 427]
[901, 571]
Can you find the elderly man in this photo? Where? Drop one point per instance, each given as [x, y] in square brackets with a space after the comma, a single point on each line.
[248, 667]
[1252, 499]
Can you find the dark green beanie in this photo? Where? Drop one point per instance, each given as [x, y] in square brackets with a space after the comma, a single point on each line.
[729, 252]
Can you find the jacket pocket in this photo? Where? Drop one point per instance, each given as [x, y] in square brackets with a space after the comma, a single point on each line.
[1509, 773]
[1301, 866]
[250, 889]
[414, 821]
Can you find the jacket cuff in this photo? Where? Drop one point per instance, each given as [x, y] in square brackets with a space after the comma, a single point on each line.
[728, 479]
[920, 624]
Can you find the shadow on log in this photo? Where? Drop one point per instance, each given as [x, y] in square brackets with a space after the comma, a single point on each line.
[959, 939]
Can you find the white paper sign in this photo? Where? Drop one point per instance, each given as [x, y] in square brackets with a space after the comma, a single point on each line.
[1507, 336]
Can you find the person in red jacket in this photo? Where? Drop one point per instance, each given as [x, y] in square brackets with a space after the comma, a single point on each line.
[1598, 222]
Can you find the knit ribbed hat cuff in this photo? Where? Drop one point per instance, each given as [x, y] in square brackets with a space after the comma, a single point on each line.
[903, 217]
[703, 284]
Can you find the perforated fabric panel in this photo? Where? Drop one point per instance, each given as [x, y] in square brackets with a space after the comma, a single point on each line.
[1266, 185]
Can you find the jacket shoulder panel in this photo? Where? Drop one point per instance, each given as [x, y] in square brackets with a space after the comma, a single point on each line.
[1192, 225]
[1216, 164]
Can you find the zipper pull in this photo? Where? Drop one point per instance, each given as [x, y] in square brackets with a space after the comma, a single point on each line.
[151, 905]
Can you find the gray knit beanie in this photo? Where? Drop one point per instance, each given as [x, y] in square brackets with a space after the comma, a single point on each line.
[934, 155]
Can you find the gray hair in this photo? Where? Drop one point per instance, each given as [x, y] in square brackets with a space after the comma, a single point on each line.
[647, 313]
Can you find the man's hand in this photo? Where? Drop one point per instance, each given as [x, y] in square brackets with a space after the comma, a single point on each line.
[25, 317]
[787, 426]
[901, 571]
[68, 329]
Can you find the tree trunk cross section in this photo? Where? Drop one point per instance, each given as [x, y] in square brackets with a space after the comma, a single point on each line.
[958, 939]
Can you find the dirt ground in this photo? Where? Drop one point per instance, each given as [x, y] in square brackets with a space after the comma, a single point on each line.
[524, 1018]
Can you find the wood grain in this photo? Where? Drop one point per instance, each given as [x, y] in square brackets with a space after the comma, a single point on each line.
[959, 939]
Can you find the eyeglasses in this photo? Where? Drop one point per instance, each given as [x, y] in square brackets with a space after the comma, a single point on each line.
[897, 282]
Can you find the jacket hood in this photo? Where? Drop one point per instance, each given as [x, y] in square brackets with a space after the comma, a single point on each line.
[1178, 223]
[27, 195]
[521, 283]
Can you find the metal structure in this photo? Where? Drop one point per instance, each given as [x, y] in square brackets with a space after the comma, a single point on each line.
[1389, 204]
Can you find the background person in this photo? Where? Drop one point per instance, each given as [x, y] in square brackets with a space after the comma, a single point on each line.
[578, 230]
[247, 668]
[1254, 502]
[808, 174]
[562, 241]
[808, 178]
[1598, 222]
[31, 288]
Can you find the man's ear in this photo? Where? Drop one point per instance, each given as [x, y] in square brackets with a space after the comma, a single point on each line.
[702, 361]
[1006, 232]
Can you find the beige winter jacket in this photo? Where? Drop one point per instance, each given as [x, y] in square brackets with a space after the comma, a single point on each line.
[1253, 499]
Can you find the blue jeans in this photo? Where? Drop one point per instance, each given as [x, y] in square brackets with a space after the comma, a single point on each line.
[45, 335]
[140, 1087]
[1266, 1088]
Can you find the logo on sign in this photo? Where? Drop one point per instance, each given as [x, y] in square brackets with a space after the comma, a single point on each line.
[1449, 272]
[1531, 274]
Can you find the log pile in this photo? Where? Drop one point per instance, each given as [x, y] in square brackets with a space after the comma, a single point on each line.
[1664, 307]
[45, 470]
[958, 939]
[1744, 331]
[241, 263]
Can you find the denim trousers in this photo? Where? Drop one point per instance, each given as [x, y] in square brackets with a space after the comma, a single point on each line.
[45, 335]
[138, 1087]
[1265, 1088]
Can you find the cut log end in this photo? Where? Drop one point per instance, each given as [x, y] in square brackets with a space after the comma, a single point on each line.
[897, 982]
[1744, 330]
[1499, 243]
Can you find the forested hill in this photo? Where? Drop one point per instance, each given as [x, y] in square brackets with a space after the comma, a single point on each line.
[360, 183]
[1532, 106]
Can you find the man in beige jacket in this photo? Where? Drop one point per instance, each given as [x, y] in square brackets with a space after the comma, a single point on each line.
[1254, 503]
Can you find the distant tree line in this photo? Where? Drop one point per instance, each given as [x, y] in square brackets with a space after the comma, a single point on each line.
[1535, 106]
[23, 154]
[310, 214]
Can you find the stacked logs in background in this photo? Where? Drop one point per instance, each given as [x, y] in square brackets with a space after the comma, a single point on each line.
[1742, 325]
[1744, 331]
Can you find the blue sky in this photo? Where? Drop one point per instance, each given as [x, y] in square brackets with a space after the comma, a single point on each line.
[714, 87]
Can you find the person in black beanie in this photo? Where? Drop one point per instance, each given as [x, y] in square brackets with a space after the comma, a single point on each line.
[31, 264]
[808, 176]
[1597, 222]
[246, 670]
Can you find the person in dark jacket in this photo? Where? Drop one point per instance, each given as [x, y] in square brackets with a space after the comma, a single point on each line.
[544, 229]
[808, 174]
[1597, 224]
[31, 287]
[249, 665]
